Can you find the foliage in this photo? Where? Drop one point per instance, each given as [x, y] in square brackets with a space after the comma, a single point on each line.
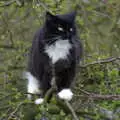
[98, 23]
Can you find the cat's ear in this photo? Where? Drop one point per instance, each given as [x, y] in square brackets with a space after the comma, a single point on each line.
[49, 16]
[69, 16]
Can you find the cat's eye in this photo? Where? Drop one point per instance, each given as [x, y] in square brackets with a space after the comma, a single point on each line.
[60, 29]
[71, 29]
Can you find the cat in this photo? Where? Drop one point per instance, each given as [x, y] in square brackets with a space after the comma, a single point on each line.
[55, 46]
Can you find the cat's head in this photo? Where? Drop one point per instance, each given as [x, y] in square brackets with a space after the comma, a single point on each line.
[62, 26]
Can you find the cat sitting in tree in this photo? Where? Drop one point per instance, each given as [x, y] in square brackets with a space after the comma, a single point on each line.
[57, 48]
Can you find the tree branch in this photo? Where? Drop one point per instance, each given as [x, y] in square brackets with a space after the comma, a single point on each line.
[71, 110]
[7, 47]
[102, 61]
[98, 96]
[11, 2]
[17, 108]
[8, 3]
[66, 106]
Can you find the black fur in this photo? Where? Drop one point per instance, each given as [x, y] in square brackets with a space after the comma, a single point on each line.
[40, 64]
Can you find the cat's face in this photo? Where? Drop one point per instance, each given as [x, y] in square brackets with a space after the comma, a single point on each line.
[62, 26]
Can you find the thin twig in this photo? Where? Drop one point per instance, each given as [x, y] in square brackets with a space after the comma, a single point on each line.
[11, 2]
[105, 97]
[98, 96]
[72, 110]
[8, 3]
[7, 47]
[102, 61]
[49, 93]
[17, 108]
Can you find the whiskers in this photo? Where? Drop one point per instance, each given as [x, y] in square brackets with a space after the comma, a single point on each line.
[53, 39]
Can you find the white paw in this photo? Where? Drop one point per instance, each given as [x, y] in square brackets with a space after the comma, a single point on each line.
[65, 94]
[39, 101]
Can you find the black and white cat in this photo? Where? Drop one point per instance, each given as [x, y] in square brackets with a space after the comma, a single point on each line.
[55, 44]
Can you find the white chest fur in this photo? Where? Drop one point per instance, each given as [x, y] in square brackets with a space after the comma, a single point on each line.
[59, 50]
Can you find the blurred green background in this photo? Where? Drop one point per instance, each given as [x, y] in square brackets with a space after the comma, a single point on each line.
[98, 25]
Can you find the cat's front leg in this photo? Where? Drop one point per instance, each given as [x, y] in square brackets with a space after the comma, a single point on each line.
[64, 80]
